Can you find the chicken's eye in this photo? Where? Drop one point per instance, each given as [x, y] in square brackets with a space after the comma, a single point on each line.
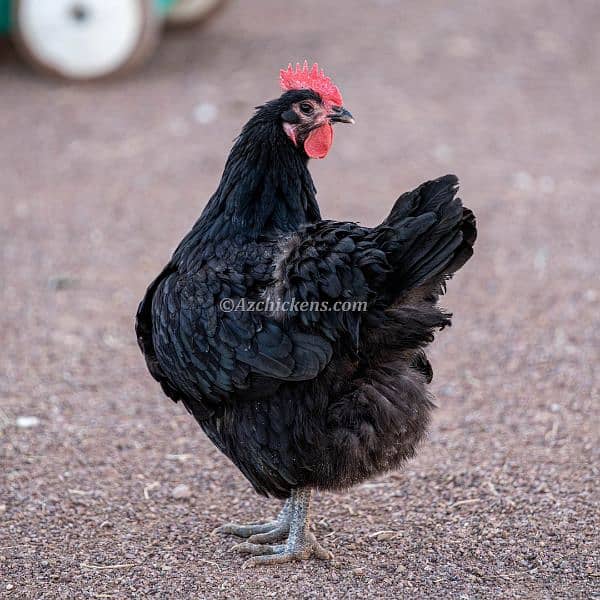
[306, 108]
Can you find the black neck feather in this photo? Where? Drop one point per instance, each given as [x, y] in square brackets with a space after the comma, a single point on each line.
[266, 188]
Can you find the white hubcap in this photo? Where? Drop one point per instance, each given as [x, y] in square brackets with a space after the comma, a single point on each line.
[81, 38]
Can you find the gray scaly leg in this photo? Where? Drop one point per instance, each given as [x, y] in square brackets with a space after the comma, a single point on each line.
[301, 543]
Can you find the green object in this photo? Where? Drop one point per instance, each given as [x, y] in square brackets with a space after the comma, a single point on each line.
[162, 6]
[4, 16]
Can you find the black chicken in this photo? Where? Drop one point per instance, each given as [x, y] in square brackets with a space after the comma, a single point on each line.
[324, 383]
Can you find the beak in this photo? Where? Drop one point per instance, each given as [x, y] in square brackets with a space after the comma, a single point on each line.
[341, 115]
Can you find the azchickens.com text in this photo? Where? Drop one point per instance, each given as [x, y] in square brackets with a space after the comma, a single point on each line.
[293, 305]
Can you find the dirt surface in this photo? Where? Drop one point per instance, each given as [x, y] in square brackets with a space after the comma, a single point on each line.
[98, 184]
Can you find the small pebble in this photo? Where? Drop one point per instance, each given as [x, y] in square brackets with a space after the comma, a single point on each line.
[24, 422]
[523, 181]
[181, 491]
[443, 153]
[205, 113]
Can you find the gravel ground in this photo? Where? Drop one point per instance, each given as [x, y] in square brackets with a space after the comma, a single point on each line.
[108, 490]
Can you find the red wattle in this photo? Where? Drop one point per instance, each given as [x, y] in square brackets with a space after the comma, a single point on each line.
[319, 141]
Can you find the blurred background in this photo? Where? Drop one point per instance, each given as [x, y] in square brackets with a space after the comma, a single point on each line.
[107, 489]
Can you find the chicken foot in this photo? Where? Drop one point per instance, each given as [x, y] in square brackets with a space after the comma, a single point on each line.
[301, 544]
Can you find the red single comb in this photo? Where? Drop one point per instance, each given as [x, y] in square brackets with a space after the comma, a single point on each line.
[314, 79]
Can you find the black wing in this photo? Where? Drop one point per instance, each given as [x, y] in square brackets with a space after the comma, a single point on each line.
[199, 351]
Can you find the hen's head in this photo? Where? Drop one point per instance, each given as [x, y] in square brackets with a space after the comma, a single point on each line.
[309, 106]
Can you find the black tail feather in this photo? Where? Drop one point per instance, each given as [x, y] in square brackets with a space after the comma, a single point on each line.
[432, 253]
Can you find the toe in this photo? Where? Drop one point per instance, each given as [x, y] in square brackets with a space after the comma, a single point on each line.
[279, 554]
[275, 535]
[270, 559]
[257, 549]
[321, 553]
[316, 549]
[243, 530]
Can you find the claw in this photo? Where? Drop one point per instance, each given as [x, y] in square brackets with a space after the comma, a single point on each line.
[217, 530]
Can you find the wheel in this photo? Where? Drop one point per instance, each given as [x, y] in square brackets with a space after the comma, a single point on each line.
[188, 12]
[86, 39]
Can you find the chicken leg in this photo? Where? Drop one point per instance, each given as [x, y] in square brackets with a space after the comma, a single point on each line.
[301, 544]
[262, 533]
